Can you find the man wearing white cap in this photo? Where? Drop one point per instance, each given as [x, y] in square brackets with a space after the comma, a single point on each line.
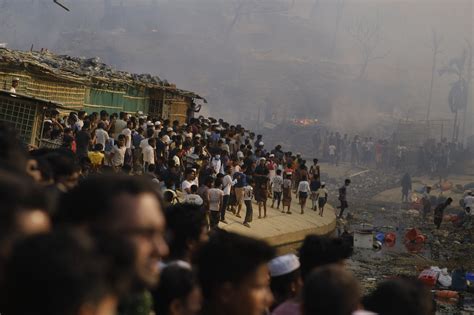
[15, 82]
[469, 200]
[286, 284]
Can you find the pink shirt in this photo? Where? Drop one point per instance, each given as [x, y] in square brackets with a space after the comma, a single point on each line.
[288, 307]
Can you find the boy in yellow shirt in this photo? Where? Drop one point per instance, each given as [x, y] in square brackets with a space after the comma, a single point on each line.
[97, 157]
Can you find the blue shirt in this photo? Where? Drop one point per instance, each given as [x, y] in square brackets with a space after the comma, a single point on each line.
[241, 180]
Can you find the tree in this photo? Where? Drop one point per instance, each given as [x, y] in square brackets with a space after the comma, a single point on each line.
[436, 42]
[368, 35]
[459, 93]
[340, 4]
[247, 7]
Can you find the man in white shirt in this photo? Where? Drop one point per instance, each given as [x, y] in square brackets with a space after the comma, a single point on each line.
[193, 198]
[216, 163]
[15, 83]
[149, 154]
[277, 186]
[216, 197]
[227, 184]
[332, 153]
[117, 155]
[101, 136]
[248, 196]
[469, 201]
[127, 132]
[80, 121]
[190, 177]
[120, 124]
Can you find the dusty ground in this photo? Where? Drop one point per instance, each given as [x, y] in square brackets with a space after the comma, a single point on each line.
[375, 198]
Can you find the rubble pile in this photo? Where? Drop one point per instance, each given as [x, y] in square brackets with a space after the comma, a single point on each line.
[76, 67]
[450, 248]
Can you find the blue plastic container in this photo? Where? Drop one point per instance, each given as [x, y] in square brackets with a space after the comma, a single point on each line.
[380, 237]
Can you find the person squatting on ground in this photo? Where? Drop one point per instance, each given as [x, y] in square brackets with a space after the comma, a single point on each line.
[439, 212]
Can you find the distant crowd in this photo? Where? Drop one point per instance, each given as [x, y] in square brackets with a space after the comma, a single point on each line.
[430, 158]
[90, 226]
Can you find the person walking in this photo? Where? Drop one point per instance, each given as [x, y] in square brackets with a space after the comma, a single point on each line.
[239, 188]
[322, 198]
[303, 192]
[215, 197]
[287, 193]
[276, 185]
[343, 197]
[406, 186]
[426, 202]
[248, 196]
[227, 184]
[314, 185]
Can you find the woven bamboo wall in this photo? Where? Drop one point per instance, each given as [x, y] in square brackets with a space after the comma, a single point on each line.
[155, 108]
[178, 110]
[176, 106]
[69, 94]
[24, 115]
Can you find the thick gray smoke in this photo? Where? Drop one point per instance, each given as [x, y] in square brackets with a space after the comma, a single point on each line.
[348, 63]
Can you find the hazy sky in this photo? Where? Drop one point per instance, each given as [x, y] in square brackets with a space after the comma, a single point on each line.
[284, 58]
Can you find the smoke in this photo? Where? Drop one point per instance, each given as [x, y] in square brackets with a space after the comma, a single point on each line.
[348, 63]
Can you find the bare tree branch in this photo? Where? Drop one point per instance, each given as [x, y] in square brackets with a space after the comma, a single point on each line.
[368, 35]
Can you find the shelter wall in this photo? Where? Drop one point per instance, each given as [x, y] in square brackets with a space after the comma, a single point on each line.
[69, 94]
[24, 115]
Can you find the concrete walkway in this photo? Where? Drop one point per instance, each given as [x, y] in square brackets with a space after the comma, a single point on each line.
[280, 229]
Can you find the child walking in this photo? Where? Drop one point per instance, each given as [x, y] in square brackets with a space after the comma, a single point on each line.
[322, 198]
[302, 192]
[287, 193]
[248, 196]
[314, 185]
[276, 185]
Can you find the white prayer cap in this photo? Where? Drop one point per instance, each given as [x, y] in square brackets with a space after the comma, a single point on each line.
[283, 265]
[166, 139]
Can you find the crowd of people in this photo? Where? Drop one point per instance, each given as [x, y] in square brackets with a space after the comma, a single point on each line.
[389, 153]
[92, 226]
[207, 162]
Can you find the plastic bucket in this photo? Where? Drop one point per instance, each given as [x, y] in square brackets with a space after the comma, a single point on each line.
[380, 237]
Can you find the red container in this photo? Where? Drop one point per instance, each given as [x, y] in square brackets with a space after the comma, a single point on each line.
[390, 237]
[429, 277]
[412, 234]
[420, 239]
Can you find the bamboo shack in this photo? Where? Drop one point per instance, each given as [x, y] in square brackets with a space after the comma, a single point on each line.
[90, 85]
[26, 114]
